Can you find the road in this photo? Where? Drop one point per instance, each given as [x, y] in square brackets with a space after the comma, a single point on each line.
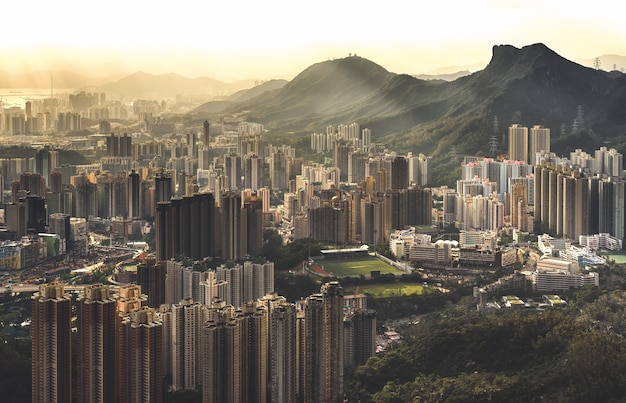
[23, 288]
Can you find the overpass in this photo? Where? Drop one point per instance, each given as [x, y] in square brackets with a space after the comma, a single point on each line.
[29, 288]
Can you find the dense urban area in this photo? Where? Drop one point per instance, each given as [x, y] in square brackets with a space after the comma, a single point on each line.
[153, 251]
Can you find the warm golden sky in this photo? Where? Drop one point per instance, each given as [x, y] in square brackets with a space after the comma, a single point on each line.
[237, 39]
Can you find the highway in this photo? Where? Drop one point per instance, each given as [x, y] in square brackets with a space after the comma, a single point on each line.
[24, 288]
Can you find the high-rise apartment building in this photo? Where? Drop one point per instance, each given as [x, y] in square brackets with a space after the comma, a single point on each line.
[359, 336]
[539, 141]
[140, 357]
[323, 349]
[341, 150]
[206, 133]
[187, 226]
[187, 324]
[51, 344]
[252, 216]
[232, 225]
[253, 172]
[96, 325]
[399, 173]
[119, 146]
[281, 348]
[254, 357]
[518, 143]
[222, 358]
[151, 278]
[279, 170]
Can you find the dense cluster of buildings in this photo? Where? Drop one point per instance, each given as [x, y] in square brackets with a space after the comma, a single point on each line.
[208, 193]
[265, 350]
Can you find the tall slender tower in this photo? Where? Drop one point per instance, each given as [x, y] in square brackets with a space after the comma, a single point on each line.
[254, 352]
[323, 360]
[140, 343]
[281, 348]
[51, 344]
[206, 133]
[222, 359]
[97, 315]
[230, 208]
[539, 140]
[187, 324]
[518, 143]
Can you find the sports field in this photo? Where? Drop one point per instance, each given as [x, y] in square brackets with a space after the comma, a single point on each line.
[618, 258]
[356, 266]
[389, 290]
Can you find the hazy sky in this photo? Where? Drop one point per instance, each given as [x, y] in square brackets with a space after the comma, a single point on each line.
[237, 39]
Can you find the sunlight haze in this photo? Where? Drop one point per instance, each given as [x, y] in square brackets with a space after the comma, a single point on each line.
[278, 39]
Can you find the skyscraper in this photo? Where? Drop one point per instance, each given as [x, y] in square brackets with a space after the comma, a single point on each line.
[518, 143]
[222, 359]
[231, 228]
[206, 133]
[281, 348]
[254, 355]
[187, 325]
[151, 278]
[253, 232]
[96, 320]
[323, 338]
[253, 172]
[399, 173]
[539, 140]
[140, 349]
[51, 344]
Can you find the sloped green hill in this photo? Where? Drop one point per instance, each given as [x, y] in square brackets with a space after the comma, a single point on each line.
[531, 85]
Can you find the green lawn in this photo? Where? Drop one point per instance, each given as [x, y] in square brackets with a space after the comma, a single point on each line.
[618, 258]
[388, 290]
[357, 266]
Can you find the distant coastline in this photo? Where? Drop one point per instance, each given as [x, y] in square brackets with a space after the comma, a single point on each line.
[12, 97]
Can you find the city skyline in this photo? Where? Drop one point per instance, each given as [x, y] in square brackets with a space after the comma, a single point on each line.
[242, 40]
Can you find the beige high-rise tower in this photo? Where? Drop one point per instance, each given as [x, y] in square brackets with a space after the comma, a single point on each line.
[539, 140]
[51, 344]
[187, 325]
[518, 143]
[96, 320]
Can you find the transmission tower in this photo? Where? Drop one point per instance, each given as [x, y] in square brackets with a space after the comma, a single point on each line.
[580, 112]
[493, 145]
[453, 153]
[597, 63]
[496, 126]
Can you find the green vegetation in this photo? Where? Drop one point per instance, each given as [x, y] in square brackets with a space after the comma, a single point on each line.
[290, 256]
[294, 286]
[457, 355]
[15, 369]
[389, 290]
[617, 257]
[356, 266]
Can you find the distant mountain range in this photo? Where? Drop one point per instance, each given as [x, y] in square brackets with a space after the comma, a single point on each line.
[531, 85]
[137, 85]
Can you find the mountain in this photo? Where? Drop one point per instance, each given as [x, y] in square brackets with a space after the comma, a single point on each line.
[249, 93]
[215, 107]
[529, 85]
[144, 85]
[42, 79]
[443, 76]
